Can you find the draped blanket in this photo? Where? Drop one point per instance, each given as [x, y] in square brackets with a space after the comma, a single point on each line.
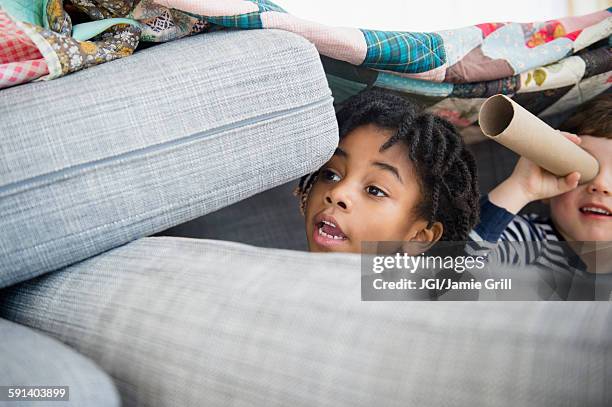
[548, 67]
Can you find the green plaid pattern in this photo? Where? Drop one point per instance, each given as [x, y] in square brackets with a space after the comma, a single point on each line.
[403, 51]
[249, 20]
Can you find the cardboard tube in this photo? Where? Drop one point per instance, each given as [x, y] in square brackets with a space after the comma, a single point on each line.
[511, 125]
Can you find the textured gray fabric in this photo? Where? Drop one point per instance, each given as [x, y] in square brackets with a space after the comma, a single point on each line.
[269, 219]
[186, 322]
[29, 358]
[129, 148]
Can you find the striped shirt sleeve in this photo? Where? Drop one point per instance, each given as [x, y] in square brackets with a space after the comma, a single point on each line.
[507, 238]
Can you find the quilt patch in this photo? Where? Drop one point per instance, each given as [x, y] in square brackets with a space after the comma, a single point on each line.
[551, 66]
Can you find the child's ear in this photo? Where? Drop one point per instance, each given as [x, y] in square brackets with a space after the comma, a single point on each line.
[427, 235]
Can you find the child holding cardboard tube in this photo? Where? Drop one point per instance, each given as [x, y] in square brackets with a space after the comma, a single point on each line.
[579, 213]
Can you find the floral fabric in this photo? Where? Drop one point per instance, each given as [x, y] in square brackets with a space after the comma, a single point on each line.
[35, 52]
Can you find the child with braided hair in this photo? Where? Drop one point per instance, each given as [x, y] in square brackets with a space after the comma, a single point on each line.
[398, 174]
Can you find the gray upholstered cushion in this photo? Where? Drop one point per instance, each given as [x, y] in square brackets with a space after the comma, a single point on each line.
[29, 358]
[104, 156]
[191, 322]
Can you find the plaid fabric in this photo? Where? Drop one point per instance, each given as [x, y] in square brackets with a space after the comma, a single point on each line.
[249, 20]
[473, 60]
[20, 59]
[15, 45]
[403, 51]
[20, 72]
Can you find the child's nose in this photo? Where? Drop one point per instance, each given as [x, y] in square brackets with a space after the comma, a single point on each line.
[338, 196]
[341, 204]
[599, 185]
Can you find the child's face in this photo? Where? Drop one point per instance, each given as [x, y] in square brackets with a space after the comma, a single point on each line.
[364, 194]
[570, 212]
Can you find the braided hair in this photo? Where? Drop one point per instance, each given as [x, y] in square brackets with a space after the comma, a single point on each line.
[446, 170]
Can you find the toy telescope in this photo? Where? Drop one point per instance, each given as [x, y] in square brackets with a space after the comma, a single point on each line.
[511, 125]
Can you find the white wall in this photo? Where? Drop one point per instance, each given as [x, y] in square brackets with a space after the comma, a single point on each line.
[428, 15]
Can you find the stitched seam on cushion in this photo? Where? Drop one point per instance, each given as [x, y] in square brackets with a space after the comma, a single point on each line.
[156, 212]
[50, 177]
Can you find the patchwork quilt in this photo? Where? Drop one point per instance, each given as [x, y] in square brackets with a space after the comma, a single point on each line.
[548, 67]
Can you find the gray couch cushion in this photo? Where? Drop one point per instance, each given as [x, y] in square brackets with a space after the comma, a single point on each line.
[191, 322]
[32, 359]
[129, 148]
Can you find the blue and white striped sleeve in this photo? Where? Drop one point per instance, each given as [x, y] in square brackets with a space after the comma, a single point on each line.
[493, 222]
[504, 237]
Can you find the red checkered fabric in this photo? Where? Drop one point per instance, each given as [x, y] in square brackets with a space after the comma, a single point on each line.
[20, 59]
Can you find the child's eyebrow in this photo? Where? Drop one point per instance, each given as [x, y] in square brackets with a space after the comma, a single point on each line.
[390, 168]
[340, 152]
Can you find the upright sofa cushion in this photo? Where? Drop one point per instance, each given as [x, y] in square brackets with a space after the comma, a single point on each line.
[188, 322]
[122, 150]
[30, 358]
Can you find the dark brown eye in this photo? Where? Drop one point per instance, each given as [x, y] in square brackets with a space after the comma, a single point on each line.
[329, 176]
[375, 191]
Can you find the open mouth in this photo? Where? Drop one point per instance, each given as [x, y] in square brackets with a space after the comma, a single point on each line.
[330, 230]
[595, 210]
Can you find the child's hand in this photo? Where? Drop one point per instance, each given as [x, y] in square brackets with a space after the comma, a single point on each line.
[529, 183]
[537, 183]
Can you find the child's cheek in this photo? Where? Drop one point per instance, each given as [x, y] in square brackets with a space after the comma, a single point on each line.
[565, 213]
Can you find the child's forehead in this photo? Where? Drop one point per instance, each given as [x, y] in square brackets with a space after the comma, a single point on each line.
[370, 135]
[362, 150]
[371, 142]
[370, 129]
